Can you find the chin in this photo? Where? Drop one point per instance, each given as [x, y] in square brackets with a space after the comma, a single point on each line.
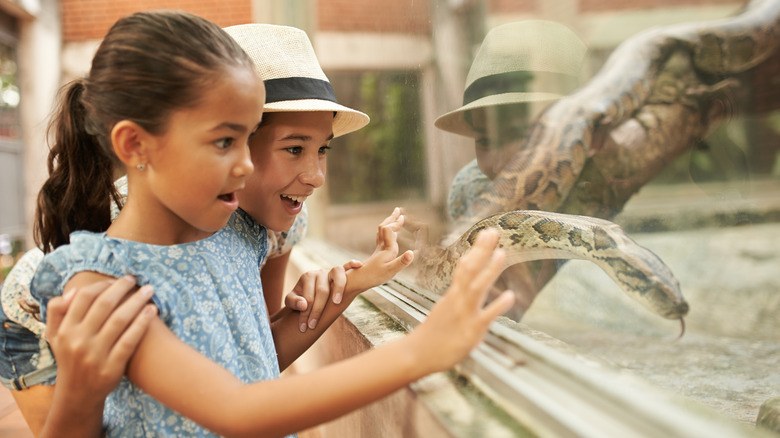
[274, 224]
[277, 223]
[279, 227]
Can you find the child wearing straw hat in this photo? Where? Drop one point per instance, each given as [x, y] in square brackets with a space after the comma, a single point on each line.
[289, 149]
[519, 69]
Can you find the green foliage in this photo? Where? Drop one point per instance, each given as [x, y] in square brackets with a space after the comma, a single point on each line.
[384, 160]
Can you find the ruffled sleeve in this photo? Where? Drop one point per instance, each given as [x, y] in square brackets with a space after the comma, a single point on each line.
[86, 252]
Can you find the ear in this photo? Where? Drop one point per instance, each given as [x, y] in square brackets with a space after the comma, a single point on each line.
[130, 144]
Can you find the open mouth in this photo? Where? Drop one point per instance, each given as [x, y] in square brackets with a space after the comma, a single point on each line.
[227, 197]
[293, 200]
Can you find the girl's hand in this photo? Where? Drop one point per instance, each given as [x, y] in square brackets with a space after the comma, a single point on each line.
[310, 294]
[93, 331]
[458, 321]
[385, 262]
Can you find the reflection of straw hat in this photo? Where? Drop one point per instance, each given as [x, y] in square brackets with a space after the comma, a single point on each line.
[512, 56]
[294, 81]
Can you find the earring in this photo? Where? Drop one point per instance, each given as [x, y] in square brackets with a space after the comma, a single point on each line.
[141, 167]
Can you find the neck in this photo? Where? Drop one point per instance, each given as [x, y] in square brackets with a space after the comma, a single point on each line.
[141, 222]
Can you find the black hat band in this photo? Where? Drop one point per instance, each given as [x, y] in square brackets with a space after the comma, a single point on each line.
[298, 88]
[514, 82]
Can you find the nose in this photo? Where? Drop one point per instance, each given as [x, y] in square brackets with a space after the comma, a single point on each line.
[496, 163]
[497, 159]
[489, 162]
[243, 166]
[314, 173]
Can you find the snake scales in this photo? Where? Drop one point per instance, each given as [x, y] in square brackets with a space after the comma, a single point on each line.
[666, 89]
[528, 235]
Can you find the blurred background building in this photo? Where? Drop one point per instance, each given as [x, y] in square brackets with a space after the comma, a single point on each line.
[403, 62]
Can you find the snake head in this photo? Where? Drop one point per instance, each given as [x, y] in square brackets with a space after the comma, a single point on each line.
[650, 281]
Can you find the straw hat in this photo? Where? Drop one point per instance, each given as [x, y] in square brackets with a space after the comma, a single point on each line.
[522, 62]
[294, 81]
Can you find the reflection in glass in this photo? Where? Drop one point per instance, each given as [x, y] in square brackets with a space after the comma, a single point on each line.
[519, 70]
[669, 132]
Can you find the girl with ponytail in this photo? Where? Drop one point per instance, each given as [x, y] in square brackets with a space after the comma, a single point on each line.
[68, 203]
[176, 100]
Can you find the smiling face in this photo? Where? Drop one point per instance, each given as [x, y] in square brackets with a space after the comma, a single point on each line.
[196, 167]
[289, 155]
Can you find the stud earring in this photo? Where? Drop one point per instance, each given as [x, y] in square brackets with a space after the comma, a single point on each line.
[141, 167]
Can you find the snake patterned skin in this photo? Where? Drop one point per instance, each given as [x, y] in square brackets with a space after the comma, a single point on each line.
[527, 235]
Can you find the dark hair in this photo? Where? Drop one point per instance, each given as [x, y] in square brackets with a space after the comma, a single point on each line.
[149, 65]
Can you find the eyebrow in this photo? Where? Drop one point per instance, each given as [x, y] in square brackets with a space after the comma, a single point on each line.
[232, 126]
[301, 137]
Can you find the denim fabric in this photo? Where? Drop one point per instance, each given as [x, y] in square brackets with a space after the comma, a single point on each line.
[25, 358]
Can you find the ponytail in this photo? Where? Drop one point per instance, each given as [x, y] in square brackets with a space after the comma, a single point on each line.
[79, 190]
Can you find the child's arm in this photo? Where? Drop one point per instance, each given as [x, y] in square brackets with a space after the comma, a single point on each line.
[380, 267]
[314, 287]
[310, 294]
[180, 377]
[272, 275]
[93, 332]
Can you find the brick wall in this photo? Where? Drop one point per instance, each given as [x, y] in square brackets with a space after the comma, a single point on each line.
[514, 6]
[91, 19]
[395, 16]
[615, 5]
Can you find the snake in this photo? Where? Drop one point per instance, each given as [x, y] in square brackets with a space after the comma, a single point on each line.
[535, 199]
[527, 235]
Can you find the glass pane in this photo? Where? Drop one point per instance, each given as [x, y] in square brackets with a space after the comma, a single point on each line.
[662, 117]
[387, 161]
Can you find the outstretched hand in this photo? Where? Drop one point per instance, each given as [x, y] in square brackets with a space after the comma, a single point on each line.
[458, 321]
[385, 262]
[310, 294]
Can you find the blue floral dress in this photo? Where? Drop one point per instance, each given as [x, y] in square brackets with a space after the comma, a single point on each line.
[208, 293]
[25, 357]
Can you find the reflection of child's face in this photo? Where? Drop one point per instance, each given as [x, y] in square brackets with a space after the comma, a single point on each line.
[196, 167]
[500, 132]
[288, 152]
